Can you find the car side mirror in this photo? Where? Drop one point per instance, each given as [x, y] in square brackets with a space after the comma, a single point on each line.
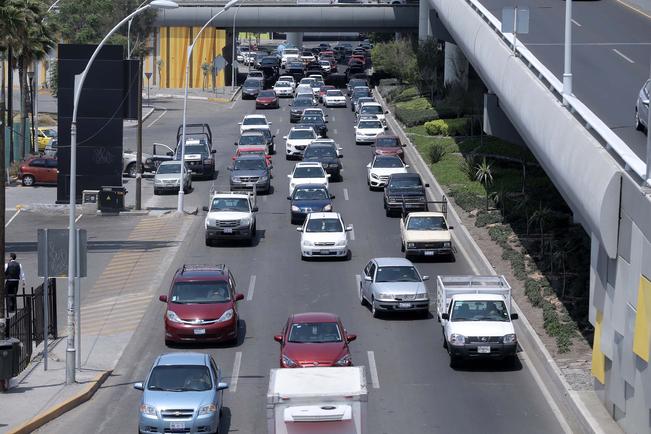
[139, 386]
[254, 209]
[222, 386]
[368, 278]
[326, 121]
[386, 112]
[445, 316]
[278, 338]
[340, 156]
[285, 137]
[404, 145]
[406, 166]
[425, 278]
[290, 104]
[163, 298]
[514, 316]
[205, 208]
[170, 154]
[368, 166]
[351, 337]
[269, 123]
[328, 175]
[426, 185]
[289, 176]
[271, 166]
[332, 196]
[234, 143]
[239, 123]
[450, 227]
[645, 102]
[229, 168]
[239, 297]
[349, 228]
[299, 229]
[213, 151]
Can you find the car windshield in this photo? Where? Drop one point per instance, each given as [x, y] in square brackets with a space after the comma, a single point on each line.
[201, 292]
[253, 139]
[290, 51]
[372, 109]
[324, 225]
[479, 311]
[169, 168]
[230, 204]
[302, 193]
[264, 131]
[195, 149]
[252, 83]
[334, 93]
[306, 81]
[404, 182]
[387, 162]
[369, 125]
[427, 224]
[314, 333]
[355, 83]
[250, 164]
[301, 134]
[254, 121]
[312, 119]
[180, 378]
[309, 172]
[319, 151]
[402, 273]
[302, 102]
[387, 142]
[267, 94]
[49, 132]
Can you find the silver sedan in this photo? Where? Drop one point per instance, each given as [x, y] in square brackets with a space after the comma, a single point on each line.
[642, 107]
[393, 285]
[168, 178]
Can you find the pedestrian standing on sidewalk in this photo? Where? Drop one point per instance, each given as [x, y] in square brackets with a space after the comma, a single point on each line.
[13, 275]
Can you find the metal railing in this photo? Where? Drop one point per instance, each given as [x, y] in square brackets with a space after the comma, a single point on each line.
[593, 124]
[20, 326]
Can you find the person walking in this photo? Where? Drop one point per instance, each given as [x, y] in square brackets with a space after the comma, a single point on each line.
[13, 275]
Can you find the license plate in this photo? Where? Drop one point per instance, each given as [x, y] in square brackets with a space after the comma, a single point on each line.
[228, 230]
[404, 305]
[199, 331]
[325, 252]
[429, 252]
[177, 425]
[484, 349]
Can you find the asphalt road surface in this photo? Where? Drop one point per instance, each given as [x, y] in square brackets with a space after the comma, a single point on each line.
[416, 391]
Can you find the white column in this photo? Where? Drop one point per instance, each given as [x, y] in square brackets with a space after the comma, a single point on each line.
[456, 66]
[295, 39]
[424, 30]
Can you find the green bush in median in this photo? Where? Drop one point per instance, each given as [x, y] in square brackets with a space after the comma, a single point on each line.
[437, 128]
[413, 117]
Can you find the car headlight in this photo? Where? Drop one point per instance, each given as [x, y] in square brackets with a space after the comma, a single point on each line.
[295, 208]
[509, 339]
[207, 409]
[307, 243]
[421, 295]
[235, 180]
[457, 339]
[245, 221]
[344, 361]
[411, 245]
[327, 208]
[340, 243]
[447, 244]
[263, 178]
[226, 316]
[148, 161]
[374, 176]
[289, 362]
[172, 316]
[384, 296]
[158, 181]
[148, 410]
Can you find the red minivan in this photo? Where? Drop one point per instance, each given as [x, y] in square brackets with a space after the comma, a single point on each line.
[314, 339]
[38, 170]
[202, 305]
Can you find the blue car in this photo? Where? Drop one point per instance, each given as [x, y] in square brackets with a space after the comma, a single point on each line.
[308, 198]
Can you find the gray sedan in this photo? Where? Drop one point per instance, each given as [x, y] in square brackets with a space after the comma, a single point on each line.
[250, 171]
[393, 285]
[642, 107]
[168, 178]
[183, 393]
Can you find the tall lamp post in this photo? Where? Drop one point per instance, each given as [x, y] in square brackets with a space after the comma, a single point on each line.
[233, 74]
[185, 98]
[79, 83]
[567, 70]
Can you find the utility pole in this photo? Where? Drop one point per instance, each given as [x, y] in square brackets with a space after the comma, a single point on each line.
[3, 171]
[10, 105]
[139, 140]
[567, 70]
[648, 137]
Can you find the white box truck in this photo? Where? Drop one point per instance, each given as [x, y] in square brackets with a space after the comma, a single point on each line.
[317, 401]
[475, 314]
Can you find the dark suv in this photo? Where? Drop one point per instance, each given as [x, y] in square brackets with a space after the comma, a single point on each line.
[201, 305]
[326, 155]
[405, 191]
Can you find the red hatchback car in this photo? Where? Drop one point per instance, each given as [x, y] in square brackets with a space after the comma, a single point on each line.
[38, 170]
[267, 99]
[314, 339]
[202, 305]
[388, 144]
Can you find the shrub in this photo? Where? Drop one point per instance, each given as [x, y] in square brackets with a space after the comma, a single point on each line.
[500, 234]
[405, 94]
[467, 200]
[458, 127]
[533, 291]
[411, 118]
[436, 128]
[436, 152]
[469, 165]
[487, 218]
[419, 103]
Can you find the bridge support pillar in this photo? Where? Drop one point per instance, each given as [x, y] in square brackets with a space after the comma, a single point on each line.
[424, 27]
[456, 66]
[496, 123]
[295, 39]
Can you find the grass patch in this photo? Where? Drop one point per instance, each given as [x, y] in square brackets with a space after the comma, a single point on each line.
[448, 173]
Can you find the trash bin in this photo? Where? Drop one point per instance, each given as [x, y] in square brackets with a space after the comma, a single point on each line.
[111, 199]
[9, 358]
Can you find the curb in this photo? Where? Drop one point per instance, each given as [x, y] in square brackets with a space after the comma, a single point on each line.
[199, 98]
[473, 252]
[131, 123]
[59, 409]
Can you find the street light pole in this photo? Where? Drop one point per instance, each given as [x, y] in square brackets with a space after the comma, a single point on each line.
[648, 137]
[129, 32]
[79, 83]
[233, 74]
[185, 99]
[567, 70]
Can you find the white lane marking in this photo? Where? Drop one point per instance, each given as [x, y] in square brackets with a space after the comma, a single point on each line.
[576, 23]
[233, 105]
[13, 217]
[236, 372]
[375, 381]
[345, 193]
[157, 119]
[277, 131]
[333, 118]
[352, 233]
[335, 131]
[548, 397]
[629, 60]
[79, 218]
[358, 282]
[249, 295]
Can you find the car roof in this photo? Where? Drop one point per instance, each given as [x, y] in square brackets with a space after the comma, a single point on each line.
[425, 214]
[252, 132]
[163, 163]
[481, 297]
[387, 261]
[254, 116]
[370, 103]
[301, 128]
[324, 215]
[183, 358]
[251, 156]
[190, 272]
[405, 175]
[308, 164]
[311, 186]
[314, 317]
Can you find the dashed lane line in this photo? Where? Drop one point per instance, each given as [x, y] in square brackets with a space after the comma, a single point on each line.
[13, 217]
[79, 218]
[236, 372]
[345, 194]
[576, 23]
[623, 56]
[358, 282]
[375, 380]
[249, 294]
[157, 119]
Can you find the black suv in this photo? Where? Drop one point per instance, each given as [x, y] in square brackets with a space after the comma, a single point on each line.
[405, 191]
[317, 122]
[326, 155]
[297, 107]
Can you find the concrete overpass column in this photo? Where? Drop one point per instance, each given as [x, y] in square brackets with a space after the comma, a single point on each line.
[456, 66]
[424, 28]
[295, 39]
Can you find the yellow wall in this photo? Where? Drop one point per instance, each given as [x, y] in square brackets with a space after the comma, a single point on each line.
[172, 46]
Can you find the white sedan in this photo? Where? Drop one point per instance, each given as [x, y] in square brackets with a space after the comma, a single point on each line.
[297, 140]
[367, 130]
[288, 78]
[383, 166]
[324, 234]
[334, 98]
[283, 88]
[307, 173]
[253, 122]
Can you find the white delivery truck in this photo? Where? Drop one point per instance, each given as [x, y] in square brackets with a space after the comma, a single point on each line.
[475, 314]
[317, 401]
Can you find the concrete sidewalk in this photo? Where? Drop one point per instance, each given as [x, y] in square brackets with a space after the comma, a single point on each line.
[111, 311]
[220, 94]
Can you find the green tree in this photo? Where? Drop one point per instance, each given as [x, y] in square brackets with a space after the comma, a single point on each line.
[395, 58]
[484, 174]
[429, 63]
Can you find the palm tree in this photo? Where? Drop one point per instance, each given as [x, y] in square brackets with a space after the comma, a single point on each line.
[484, 174]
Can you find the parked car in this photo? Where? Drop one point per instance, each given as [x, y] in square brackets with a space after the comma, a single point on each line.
[297, 140]
[405, 192]
[307, 173]
[324, 234]
[183, 392]
[381, 168]
[149, 162]
[325, 154]
[267, 99]
[308, 198]
[168, 178]
[642, 107]
[45, 136]
[52, 148]
[38, 170]
[314, 340]
[250, 171]
[388, 144]
[393, 285]
[252, 87]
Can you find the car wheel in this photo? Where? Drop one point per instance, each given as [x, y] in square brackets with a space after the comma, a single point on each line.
[168, 343]
[374, 311]
[28, 180]
[638, 122]
[445, 342]
[132, 170]
[287, 157]
[454, 361]
[156, 192]
[362, 300]
[387, 211]
[208, 242]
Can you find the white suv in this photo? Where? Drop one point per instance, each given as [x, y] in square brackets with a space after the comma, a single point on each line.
[307, 173]
[230, 216]
[251, 122]
[324, 234]
[297, 140]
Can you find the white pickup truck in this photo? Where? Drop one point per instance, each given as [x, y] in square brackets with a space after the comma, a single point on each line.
[475, 314]
[425, 234]
[289, 54]
[317, 401]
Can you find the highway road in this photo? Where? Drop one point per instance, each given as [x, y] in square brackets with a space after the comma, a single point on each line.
[611, 55]
[415, 391]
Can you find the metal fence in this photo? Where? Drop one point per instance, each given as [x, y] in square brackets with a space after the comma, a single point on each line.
[38, 312]
[20, 326]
